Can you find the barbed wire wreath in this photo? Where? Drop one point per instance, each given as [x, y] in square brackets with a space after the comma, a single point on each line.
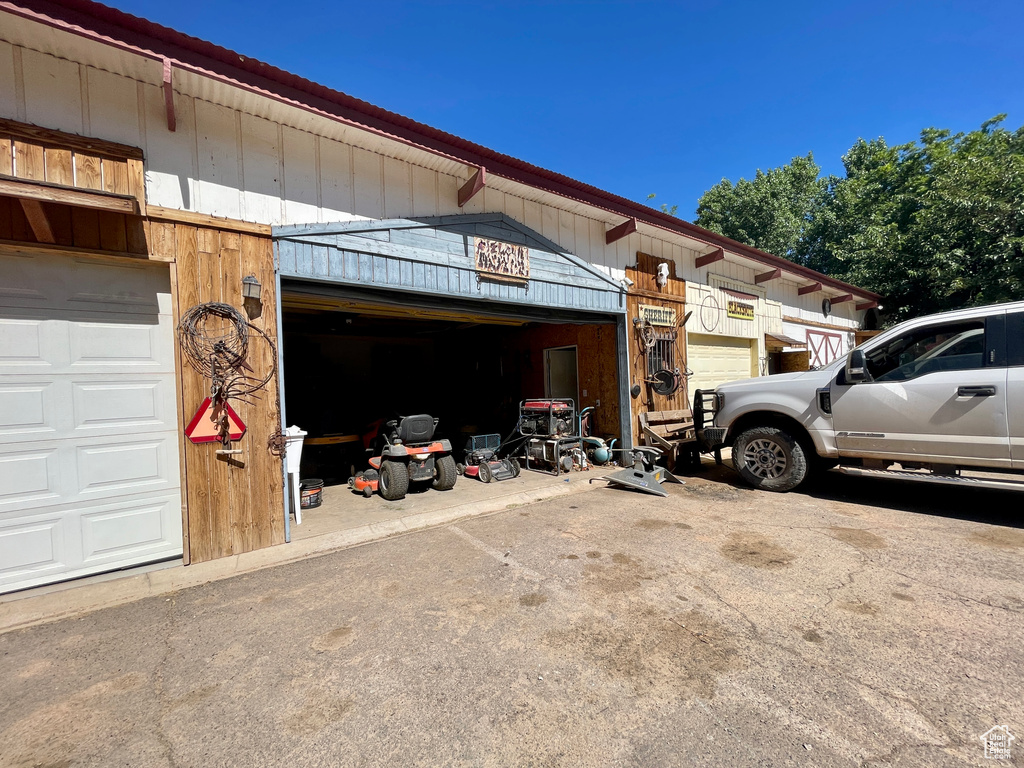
[215, 339]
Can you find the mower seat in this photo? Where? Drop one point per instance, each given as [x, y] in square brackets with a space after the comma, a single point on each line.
[417, 429]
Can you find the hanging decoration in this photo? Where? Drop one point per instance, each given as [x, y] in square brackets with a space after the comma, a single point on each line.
[215, 338]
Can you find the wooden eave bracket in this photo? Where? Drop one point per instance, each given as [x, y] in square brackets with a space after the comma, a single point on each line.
[709, 258]
[812, 288]
[867, 305]
[626, 228]
[474, 185]
[842, 299]
[764, 277]
[37, 220]
[172, 120]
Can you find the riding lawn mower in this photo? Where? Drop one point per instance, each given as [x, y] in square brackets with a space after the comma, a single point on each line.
[410, 454]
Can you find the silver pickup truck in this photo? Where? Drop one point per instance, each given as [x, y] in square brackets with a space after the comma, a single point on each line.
[937, 395]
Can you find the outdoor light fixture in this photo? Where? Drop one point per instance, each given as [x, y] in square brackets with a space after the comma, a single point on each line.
[251, 288]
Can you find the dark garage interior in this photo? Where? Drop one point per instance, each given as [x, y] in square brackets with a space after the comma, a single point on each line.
[348, 367]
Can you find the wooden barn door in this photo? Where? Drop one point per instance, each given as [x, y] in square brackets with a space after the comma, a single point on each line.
[670, 344]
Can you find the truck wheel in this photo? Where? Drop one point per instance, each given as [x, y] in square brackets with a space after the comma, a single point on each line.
[394, 480]
[769, 459]
[445, 474]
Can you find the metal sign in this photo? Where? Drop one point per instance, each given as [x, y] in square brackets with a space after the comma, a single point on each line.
[502, 261]
[665, 316]
[740, 310]
[204, 427]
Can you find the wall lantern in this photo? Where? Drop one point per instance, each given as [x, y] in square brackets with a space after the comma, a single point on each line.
[251, 288]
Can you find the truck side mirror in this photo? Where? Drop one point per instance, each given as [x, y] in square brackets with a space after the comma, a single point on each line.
[856, 371]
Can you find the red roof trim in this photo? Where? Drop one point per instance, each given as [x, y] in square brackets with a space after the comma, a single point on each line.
[122, 30]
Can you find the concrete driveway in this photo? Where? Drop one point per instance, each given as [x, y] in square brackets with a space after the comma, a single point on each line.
[860, 623]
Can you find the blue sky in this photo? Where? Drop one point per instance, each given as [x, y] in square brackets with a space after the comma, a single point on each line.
[647, 97]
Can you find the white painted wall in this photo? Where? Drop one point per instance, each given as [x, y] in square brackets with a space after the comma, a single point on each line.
[247, 157]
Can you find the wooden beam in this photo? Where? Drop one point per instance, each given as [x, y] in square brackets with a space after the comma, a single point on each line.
[474, 185]
[177, 216]
[55, 193]
[626, 228]
[842, 299]
[812, 288]
[764, 277]
[172, 119]
[61, 140]
[22, 247]
[709, 258]
[867, 305]
[37, 220]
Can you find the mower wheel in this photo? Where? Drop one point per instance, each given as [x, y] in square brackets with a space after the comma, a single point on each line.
[446, 473]
[394, 480]
[460, 468]
[513, 465]
[485, 472]
[367, 491]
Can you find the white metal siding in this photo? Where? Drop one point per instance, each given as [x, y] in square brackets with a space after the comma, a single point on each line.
[89, 471]
[715, 360]
[241, 155]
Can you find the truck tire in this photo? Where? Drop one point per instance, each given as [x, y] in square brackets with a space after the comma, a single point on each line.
[769, 459]
[446, 472]
[394, 480]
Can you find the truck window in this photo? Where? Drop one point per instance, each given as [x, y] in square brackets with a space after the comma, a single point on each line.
[950, 347]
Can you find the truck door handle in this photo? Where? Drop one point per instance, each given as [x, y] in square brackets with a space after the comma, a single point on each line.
[975, 391]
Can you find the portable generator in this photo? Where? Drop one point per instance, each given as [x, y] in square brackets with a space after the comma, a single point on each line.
[549, 427]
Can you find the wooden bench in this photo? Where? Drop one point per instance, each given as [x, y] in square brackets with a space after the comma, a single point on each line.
[671, 431]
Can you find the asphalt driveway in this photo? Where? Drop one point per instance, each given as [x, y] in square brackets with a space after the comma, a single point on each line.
[861, 623]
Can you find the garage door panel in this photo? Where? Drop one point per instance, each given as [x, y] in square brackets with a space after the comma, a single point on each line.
[28, 409]
[104, 406]
[39, 474]
[61, 407]
[31, 550]
[23, 346]
[43, 280]
[106, 468]
[133, 530]
[89, 463]
[30, 477]
[99, 346]
[716, 360]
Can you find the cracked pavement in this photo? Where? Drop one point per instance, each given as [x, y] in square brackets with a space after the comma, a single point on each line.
[858, 623]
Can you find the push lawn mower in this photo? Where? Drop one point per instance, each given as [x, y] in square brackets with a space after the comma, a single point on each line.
[482, 460]
[409, 455]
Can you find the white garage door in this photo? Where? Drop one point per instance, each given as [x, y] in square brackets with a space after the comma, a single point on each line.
[89, 478]
[715, 360]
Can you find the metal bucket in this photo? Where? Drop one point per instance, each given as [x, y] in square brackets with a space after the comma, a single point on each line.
[311, 493]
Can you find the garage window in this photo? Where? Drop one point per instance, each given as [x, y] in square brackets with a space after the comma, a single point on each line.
[661, 355]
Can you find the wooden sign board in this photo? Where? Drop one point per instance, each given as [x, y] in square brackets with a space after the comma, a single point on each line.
[740, 310]
[665, 316]
[203, 429]
[502, 261]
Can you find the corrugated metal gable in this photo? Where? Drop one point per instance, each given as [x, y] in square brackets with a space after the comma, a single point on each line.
[435, 256]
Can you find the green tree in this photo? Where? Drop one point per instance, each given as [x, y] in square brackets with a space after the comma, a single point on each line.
[770, 212]
[930, 225]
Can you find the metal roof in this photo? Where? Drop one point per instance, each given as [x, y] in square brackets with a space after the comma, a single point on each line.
[146, 38]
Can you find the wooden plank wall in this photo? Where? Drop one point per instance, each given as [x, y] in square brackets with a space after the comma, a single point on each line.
[645, 290]
[37, 154]
[596, 362]
[234, 503]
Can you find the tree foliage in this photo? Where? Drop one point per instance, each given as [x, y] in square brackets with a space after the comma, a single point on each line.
[770, 212]
[930, 225]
